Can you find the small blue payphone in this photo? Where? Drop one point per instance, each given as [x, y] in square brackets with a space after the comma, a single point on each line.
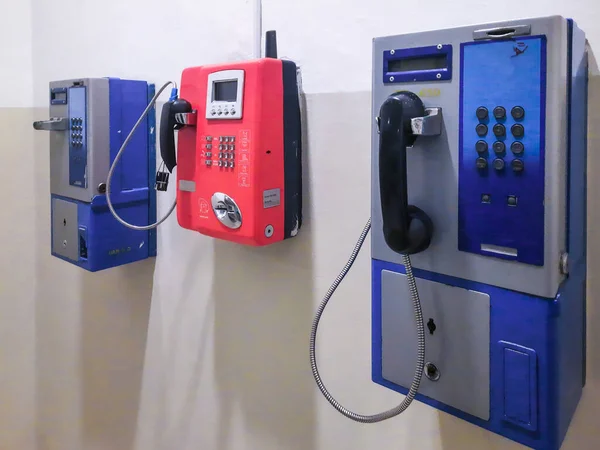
[479, 183]
[89, 120]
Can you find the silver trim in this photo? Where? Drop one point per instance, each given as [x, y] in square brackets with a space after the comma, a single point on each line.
[226, 210]
[564, 263]
[502, 32]
[428, 125]
[187, 185]
[188, 119]
[53, 124]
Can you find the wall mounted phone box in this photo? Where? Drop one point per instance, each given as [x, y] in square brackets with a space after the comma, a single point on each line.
[503, 279]
[239, 168]
[89, 120]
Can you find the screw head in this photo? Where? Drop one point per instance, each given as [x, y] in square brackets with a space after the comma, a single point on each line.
[438, 76]
[391, 78]
[439, 46]
[102, 188]
[65, 243]
[392, 52]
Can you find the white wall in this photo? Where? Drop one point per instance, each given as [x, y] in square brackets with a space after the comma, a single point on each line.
[17, 307]
[225, 361]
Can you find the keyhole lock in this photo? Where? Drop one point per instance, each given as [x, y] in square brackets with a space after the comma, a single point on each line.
[432, 372]
[431, 326]
[64, 222]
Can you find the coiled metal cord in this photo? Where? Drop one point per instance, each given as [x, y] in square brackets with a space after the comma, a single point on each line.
[414, 387]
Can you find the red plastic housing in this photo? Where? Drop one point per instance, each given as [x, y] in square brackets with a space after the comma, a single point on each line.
[266, 155]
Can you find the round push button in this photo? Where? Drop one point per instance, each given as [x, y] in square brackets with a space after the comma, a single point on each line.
[517, 112]
[499, 147]
[482, 113]
[499, 112]
[517, 130]
[517, 147]
[481, 163]
[499, 130]
[481, 129]
[498, 164]
[481, 146]
[517, 165]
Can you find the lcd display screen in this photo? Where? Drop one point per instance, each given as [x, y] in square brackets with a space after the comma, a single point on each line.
[417, 64]
[225, 91]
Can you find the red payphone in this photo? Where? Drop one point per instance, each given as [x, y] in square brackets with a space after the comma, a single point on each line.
[239, 173]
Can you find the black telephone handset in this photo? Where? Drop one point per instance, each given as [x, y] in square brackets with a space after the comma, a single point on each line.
[168, 125]
[406, 228]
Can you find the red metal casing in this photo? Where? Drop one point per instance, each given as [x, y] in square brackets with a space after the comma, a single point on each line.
[266, 154]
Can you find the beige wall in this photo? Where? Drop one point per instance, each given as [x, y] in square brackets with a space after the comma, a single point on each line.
[17, 281]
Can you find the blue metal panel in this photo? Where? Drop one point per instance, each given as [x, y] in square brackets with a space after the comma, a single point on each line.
[519, 385]
[128, 99]
[549, 328]
[77, 136]
[151, 172]
[418, 53]
[104, 242]
[503, 73]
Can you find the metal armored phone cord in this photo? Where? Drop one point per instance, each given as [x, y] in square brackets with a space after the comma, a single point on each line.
[414, 387]
[118, 157]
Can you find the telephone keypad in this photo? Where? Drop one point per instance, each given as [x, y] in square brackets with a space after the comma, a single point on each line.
[499, 112]
[481, 129]
[517, 147]
[481, 163]
[499, 130]
[517, 130]
[517, 165]
[226, 155]
[517, 112]
[481, 146]
[482, 113]
[498, 164]
[77, 131]
[499, 147]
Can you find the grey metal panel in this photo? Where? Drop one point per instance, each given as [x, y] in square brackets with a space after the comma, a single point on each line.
[98, 141]
[459, 347]
[65, 234]
[433, 165]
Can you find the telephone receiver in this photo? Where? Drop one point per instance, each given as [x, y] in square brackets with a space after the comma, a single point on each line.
[407, 229]
[175, 115]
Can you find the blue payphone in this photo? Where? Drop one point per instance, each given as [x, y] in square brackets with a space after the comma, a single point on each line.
[479, 225]
[89, 121]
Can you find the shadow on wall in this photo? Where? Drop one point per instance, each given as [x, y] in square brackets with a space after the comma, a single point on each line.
[91, 331]
[263, 309]
[115, 308]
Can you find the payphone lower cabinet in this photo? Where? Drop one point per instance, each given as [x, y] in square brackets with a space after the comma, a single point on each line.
[502, 282]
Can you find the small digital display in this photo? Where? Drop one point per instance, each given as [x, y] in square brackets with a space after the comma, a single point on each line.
[418, 63]
[225, 91]
[59, 96]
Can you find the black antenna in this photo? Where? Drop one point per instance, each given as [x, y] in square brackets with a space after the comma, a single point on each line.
[271, 44]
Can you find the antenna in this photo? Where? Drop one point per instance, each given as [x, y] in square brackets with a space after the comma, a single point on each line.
[271, 44]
